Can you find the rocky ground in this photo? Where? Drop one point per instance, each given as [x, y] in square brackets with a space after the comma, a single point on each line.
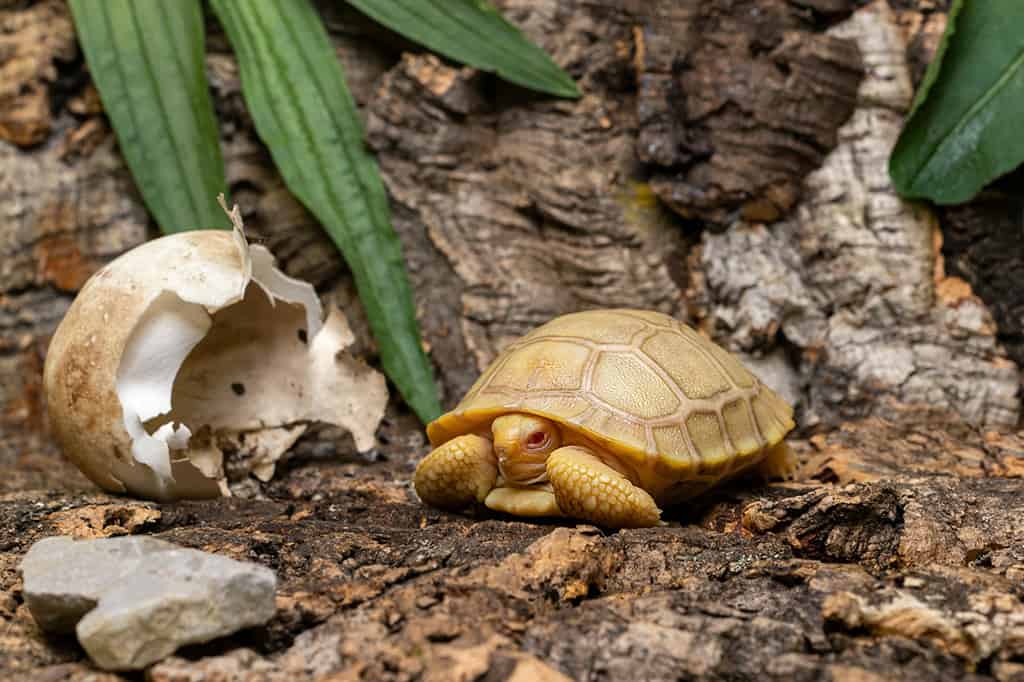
[898, 554]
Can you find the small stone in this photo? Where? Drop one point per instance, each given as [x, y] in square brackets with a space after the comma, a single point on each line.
[64, 579]
[135, 600]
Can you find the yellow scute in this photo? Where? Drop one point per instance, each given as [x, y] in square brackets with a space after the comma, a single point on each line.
[767, 420]
[679, 357]
[624, 381]
[610, 427]
[739, 373]
[610, 328]
[671, 443]
[706, 436]
[545, 365]
[566, 407]
[740, 427]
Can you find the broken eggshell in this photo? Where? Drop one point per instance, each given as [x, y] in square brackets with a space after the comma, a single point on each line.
[193, 345]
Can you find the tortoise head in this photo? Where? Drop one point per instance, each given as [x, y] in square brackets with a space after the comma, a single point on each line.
[522, 443]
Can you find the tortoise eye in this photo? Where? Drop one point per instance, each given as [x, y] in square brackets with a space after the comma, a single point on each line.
[536, 440]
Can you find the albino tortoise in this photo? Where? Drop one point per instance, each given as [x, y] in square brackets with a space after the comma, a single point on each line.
[603, 416]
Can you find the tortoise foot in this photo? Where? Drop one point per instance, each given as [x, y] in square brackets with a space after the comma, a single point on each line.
[538, 500]
[779, 463]
[588, 489]
[457, 474]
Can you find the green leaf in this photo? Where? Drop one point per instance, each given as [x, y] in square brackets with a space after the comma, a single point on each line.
[295, 90]
[940, 52]
[147, 60]
[472, 32]
[964, 129]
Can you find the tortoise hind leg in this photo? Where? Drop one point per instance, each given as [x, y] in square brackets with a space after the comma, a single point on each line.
[778, 463]
[587, 488]
[457, 474]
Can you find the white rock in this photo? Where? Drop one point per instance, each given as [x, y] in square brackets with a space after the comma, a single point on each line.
[135, 600]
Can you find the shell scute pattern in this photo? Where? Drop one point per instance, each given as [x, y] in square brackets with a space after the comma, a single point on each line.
[698, 378]
[738, 421]
[548, 365]
[580, 327]
[640, 382]
[624, 381]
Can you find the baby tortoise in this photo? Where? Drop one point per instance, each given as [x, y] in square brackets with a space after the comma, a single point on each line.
[604, 416]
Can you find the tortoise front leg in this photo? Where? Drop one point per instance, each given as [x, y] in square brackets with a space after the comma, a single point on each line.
[587, 488]
[457, 474]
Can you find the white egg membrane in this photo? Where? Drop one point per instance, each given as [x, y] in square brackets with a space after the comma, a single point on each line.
[247, 374]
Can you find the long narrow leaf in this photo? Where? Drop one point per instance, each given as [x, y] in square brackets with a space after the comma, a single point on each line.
[935, 66]
[295, 89]
[472, 32]
[965, 128]
[147, 60]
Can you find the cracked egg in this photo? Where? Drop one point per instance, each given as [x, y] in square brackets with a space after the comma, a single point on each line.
[193, 347]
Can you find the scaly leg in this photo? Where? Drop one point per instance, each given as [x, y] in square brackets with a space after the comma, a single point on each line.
[457, 474]
[589, 489]
[779, 463]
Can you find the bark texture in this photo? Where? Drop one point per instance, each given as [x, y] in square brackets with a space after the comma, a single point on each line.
[726, 165]
[984, 246]
[739, 100]
[854, 282]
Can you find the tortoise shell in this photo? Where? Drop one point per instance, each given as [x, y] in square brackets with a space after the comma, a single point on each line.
[671, 405]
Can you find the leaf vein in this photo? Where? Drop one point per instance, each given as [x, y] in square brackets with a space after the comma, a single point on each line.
[971, 112]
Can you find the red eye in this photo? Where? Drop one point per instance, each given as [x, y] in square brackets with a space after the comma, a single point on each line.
[537, 439]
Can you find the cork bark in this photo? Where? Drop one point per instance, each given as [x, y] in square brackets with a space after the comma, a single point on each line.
[739, 101]
[854, 282]
[726, 164]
